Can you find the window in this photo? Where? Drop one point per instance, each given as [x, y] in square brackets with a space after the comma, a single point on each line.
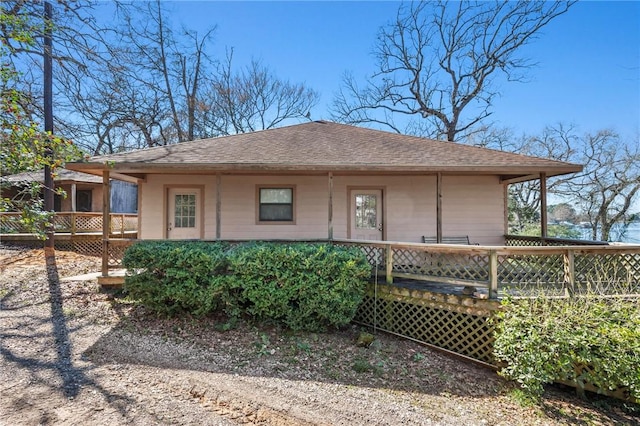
[83, 200]
[366, 211]
[185, 211]
[275, 204]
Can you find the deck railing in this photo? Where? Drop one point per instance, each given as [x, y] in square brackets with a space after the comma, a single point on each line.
[74, 223]
[523, 240]
[520, 271]
[492, 270]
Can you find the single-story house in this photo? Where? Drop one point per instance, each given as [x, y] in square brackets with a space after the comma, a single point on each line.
[322, 180]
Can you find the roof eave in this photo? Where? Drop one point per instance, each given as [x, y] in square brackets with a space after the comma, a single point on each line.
[515, 173]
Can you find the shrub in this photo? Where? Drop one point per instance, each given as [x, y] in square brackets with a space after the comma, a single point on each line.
[304, 286]
[170, 277]
[584, 340]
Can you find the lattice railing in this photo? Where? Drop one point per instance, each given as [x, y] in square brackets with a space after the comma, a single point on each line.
[607, 273]
[115, 250]
[454, 327]
[527, 241]
[73, 223]
[10, 224]
[522, 271]
[87, 223]
[62, 223]
[529, 272]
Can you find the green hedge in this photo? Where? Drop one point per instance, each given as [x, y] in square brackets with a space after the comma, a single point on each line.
[171, 277]
[585, 340]
[303, 286]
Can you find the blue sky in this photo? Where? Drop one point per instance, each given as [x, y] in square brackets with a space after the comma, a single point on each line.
[588, 70]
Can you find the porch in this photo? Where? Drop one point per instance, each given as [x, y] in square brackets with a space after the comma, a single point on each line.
[523, 267]
[75, 231]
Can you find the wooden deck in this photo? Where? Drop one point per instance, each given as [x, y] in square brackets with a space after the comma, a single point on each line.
[571, 267]
[72, 223]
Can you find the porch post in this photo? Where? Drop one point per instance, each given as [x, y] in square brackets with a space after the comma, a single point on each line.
[218, 206]
[439, 208]
[543, 205]
[330, 224]
[106, 225]
[73, 197]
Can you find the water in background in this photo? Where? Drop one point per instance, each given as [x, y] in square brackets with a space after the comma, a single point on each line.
[631, 235]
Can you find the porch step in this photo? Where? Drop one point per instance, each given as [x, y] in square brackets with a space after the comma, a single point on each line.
[111, 282]
[114, 281]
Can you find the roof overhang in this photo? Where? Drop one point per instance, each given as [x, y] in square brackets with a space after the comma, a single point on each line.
[136, 172]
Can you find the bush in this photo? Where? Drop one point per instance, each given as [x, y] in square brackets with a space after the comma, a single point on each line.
[303, 286]
[171, 277]
[584, 340]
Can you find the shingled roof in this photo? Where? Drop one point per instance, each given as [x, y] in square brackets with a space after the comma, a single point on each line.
[322, 146]
[61, 176]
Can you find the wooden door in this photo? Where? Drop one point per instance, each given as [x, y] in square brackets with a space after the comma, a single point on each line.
[366, 214]
[183, 214]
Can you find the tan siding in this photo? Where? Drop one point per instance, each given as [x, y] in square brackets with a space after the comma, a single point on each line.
[152, 203]
[473, 206]
[238, 210]
[96, 197]
[410, 204]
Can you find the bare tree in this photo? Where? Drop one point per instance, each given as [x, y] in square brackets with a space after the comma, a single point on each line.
[252, 99]
[609, 183]
[163, 66]
[603, 193]
[438, 61]
[145, 90]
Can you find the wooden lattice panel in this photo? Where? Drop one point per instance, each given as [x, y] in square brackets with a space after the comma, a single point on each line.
[88, 247]
[88, 223]
[531, 270]
[608, 273]
[10, 224]
[471, 267]
[117, 223]
[375, 255]
[450, 329]
[514, 240]
[62, 223]
[131, 223]
[116, 253]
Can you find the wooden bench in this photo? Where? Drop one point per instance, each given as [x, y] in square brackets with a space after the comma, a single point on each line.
[464, 240]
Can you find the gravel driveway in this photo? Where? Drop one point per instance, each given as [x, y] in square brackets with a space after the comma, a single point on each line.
[71, 354]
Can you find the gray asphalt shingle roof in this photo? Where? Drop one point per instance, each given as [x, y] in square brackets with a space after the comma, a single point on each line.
[327, 145]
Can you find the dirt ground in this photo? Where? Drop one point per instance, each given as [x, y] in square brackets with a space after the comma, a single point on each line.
[71, 354]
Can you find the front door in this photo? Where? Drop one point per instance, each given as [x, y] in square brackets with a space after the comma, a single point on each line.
[183, 214]
[366, 214]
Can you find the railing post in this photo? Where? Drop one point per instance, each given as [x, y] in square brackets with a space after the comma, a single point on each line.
[106, 221]
[73, 223]
[493, 274]
[122, 226]
[389, 263]
[569, 272]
